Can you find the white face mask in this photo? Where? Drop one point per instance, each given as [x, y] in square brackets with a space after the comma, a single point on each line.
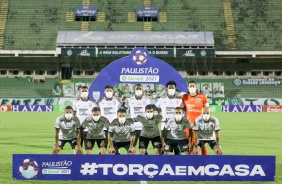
[149, 115]
[109, 94]
[171, 92]
[96, 118]
[206, 117]
[178, 117]
[68, 116]
[192, 90]
[84, 94]
[138, 92]
[121, 120]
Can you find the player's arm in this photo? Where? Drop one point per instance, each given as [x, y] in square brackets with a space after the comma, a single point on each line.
[79, 149]
[217, 136]
[164, 135]
[132, 139]
[110, 141]
[56, 148]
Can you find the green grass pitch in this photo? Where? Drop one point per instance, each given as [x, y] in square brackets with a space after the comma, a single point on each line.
[241, 134]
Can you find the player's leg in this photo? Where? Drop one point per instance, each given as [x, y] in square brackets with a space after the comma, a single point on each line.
[169, 146]
[143, 145]
[204, 150]
[126, 145]
[197, 151]
[116, 147]
[102, 146]
[157, 145]
[89, 144]
[137, 135]
[183, 146]
[61, 145]
[216, 148]
[74, 146]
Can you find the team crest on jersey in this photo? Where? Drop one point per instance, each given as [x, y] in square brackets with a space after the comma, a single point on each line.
[198, 100]
[96, 95]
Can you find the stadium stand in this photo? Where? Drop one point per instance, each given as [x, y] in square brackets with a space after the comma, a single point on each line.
[258, 24]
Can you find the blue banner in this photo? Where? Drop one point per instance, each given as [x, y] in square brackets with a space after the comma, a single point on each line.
[143, 167]
[242, 108]
[147, 12]
[137, 68]
[32, 108]
[85, 11]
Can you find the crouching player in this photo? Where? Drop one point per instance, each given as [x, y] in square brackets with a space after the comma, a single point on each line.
[121, 133]
[70, 132]
[150, 130]
[206, 130]
[95, 125]
[174, 133]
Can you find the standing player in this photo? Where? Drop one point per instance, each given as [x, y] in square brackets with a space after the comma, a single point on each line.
[173, 134]
[95, 125]
[206, 130]
[121, 134]
[194, 103]
[82, 108]
[150, 130]
[70, 132]
[167, 105]
[136, 105]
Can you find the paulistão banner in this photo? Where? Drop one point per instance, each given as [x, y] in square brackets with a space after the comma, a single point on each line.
[143, 167]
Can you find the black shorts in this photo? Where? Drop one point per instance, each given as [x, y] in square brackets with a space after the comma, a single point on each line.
[203, 142]
[89, 143]
[72, 142]
[172, 144]
[144, 142]
[118, 145]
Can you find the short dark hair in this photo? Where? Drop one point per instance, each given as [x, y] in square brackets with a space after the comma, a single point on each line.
[192, 81]
[84, 87]
[80, 86]
[68, 107]
[96, 109]
[149, 106]
[153, 92]
[171, 83]
[109, 87]
[140, 85]
[121, 111]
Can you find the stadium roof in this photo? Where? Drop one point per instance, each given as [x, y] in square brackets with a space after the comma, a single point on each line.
[134, 38]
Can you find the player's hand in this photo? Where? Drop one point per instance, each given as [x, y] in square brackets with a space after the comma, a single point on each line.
[56, 150]
[217, 149]
[132, 150]
[112, 151]
[102, 144]
[79, 151]
[196, 150]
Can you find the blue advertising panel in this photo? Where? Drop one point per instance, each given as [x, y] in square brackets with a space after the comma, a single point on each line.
[137, 68]
[143, 167]
[242, 108]
[147, 12]
[85, 11]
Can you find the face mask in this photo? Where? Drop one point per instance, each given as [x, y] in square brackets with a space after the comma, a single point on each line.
[178, 117]
[109, 94]
[171, 92]
[121, 120]
[192, 90]
[84, 94]
[206, 117]
[68, 116]
[149, 115]
[96, 118]
[138, 92]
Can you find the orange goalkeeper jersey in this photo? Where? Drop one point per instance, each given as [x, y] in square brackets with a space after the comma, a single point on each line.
[194, 105]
